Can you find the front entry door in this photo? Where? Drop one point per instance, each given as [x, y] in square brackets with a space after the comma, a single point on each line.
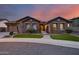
[44, 28]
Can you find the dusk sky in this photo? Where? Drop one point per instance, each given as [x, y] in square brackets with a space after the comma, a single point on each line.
[41, 12]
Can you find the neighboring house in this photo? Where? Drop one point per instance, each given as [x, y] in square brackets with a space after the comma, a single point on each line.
[3, 26]
[75, 24]
[29, 25]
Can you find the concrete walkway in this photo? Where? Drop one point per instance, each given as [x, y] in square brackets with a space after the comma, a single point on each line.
[45, 40]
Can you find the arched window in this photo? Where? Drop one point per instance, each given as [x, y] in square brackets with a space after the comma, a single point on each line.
[27, 26]
[34, 26]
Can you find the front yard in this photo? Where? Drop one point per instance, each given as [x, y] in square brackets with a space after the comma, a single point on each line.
[28, 36]
[65, 37]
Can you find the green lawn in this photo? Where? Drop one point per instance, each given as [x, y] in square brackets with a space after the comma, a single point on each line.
[65, 37]
[28, 36]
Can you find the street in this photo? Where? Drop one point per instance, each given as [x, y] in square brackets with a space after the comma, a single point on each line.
[25, 48]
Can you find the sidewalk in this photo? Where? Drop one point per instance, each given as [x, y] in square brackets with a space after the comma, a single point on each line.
[45, 40]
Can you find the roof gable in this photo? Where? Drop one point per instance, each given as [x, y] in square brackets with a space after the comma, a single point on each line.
[75, 20]
[26, 19]
[3, 20]
[58, 19]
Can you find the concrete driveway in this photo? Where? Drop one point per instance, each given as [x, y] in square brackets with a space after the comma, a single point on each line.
[2, 34]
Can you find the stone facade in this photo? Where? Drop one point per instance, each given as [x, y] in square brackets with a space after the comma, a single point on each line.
[24, 25]
[58, 25]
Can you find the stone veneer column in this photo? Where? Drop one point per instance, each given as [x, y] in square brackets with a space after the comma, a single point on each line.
[58, 27]
[38, 28]
[48, 28]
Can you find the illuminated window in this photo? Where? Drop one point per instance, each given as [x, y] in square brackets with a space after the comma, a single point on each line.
[61, 26]
[68, 25]
[54, 26]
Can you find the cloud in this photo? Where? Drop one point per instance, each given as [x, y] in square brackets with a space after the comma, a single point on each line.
[47, 13]
[42, 12]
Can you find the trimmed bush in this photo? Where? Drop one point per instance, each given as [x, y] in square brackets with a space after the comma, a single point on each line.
[68, 30]
[11, 33]
[31, 30]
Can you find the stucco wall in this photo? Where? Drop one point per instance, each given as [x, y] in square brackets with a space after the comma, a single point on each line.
[12, 28]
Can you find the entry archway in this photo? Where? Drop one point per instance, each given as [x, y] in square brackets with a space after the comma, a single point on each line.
[44, 28]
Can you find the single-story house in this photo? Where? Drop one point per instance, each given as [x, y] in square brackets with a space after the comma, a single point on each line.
[24, 25]
[75, 24]
[31, 25]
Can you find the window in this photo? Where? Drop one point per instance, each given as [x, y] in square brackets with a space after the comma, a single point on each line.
[58, 20]
[54, 26]
[68, 25]
[27, 26]
[61, 26]
[35, 26]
